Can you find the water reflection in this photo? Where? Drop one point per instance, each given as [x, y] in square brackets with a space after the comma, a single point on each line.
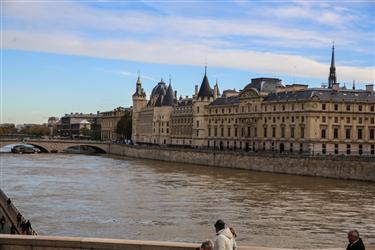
[82, 195]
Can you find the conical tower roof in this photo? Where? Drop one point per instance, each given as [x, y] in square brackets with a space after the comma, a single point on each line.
[205, 89]
[168, 98]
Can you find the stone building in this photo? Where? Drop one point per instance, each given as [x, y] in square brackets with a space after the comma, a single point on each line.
[108, 122]
[264, 116]
[72, 126]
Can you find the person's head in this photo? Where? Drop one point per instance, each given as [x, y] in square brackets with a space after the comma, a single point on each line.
[233, 232]
[353, 235]
[219, 225]
[207, 245]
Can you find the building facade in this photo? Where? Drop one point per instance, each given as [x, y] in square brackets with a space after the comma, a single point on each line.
[108, 122]
[79, 125]
[264, 116]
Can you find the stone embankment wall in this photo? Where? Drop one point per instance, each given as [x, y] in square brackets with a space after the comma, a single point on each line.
[10, 213]
[353, 168]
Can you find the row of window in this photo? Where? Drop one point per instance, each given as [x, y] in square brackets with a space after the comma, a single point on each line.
[283, 107]
[350, 107]
[252, 132]
[348, 133]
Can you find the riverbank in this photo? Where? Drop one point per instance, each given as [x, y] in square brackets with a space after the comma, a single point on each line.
[349, 168]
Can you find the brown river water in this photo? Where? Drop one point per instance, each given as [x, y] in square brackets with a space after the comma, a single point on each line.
[103, 196]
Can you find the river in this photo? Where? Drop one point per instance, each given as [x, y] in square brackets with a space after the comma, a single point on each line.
[105, 196]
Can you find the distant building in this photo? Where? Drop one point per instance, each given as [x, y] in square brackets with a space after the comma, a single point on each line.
[109, 120]
[79, 125]
[264, 116]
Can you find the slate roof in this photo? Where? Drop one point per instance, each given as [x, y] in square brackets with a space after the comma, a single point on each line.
[232, 100]
[323, 95]
[168, 99]
[205, 89]
[264, 84]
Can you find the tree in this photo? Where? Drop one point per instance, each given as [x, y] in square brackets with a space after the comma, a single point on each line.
[85, 132]
[38, 130]
[124, 126]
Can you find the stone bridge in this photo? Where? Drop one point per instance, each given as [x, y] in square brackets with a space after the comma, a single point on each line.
[54, 145]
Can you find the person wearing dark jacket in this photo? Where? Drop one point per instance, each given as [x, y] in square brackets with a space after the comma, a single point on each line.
[355, 242]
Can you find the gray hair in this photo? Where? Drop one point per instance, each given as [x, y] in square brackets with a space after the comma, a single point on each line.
[354, 233]
[207, 244]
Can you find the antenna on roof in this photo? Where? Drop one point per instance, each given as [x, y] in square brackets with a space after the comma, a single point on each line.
[205, 66]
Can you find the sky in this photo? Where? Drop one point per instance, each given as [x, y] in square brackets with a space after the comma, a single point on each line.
[60, 56]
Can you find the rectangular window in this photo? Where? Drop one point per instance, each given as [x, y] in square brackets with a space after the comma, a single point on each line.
[324, 119]
[302, 132]
[348, 149]
[335, 133]
[360, 108]
[372, 108]
[360, 149]
[209, 131]
[197, 124]
[347, 133]
[323, 106]
[215, 131]
[265, 132]
[347, 119]
[323, 134]
[347, 107]
[293, 119]
[222, 131]
[359, 132]
[228, 131]
[336, 107]
[282, 132]
[372, 149]
[273, 132]
[336, 149]
[324, 149]
[336, 119]
[292, 132]
[235, 132]
[302, 119]
[291, 147]
[372, 134]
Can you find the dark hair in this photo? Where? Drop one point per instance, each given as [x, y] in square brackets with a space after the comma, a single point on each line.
[219, 225]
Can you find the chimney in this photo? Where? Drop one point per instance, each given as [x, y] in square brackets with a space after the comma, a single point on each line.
[216, 91]
[370, 87]
[196, 90]
[336, 86]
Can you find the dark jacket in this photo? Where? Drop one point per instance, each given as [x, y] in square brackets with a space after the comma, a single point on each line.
[356, 246]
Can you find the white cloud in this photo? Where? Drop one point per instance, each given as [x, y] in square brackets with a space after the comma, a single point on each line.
[133, 74]
[75, 18]
[183, 53]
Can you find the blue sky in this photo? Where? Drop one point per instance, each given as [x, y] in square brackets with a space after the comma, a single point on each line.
[83, 56]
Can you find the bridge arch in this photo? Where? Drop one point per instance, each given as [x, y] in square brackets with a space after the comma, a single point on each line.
[96, 148]
[42, 149]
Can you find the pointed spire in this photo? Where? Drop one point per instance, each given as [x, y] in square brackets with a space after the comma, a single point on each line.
[332, 70]
[205, 88]
[168, 98]
[353, 84]
[170, 79]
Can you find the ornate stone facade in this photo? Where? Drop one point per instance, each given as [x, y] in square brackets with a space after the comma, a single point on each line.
[264, 116]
